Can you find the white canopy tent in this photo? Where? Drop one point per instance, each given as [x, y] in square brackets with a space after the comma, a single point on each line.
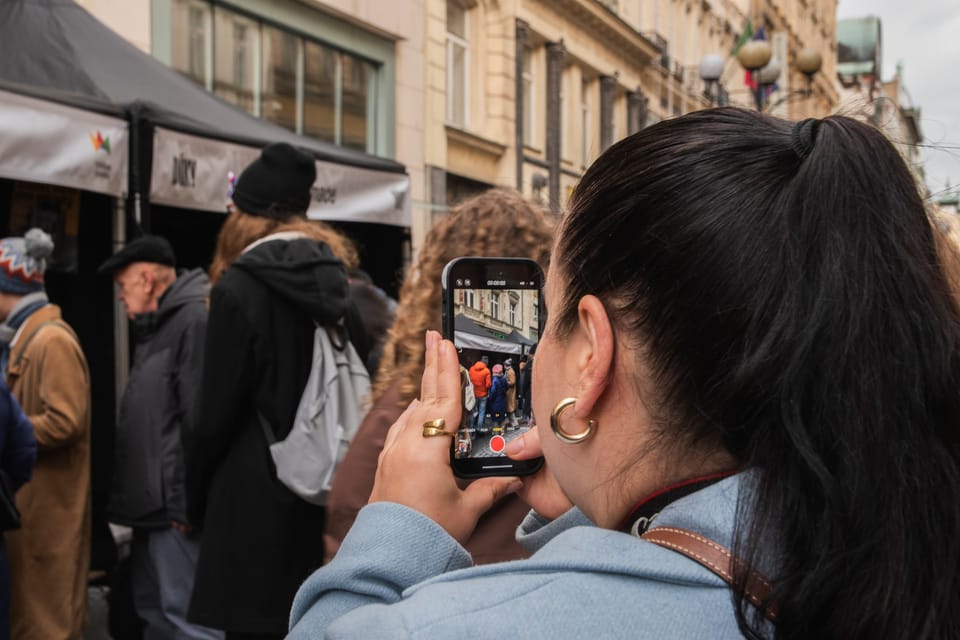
[46, 141]
[183, 140]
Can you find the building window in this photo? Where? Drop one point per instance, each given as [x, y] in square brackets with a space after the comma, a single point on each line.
[585, 123]
[235, 68]
[303, 85]
[564, 118]
[470, 301]
[190, 54]
[357, 97]
[529, 97]
[281, 52]
[457, 65]
[495, 306]
[321, 92]
[513, 313]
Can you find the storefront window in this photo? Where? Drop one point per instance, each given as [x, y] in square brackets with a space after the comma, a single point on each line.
[235, 70]
[300, 84]
[356, 102]
[320, 90]
[279, 97]
[189, 51]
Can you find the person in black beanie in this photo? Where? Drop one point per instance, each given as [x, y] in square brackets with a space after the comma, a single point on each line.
[277, 184]
[276, 275]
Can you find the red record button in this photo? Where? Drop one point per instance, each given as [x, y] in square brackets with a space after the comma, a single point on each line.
[497, 443]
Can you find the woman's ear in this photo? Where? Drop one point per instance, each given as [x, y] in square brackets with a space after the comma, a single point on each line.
[596, 357]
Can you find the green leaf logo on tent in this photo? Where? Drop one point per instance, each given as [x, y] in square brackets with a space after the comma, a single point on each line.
[99, 142]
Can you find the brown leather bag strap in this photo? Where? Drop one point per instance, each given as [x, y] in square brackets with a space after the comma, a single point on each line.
[717, 559]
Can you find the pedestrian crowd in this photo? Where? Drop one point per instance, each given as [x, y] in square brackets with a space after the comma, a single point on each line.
[747, 402]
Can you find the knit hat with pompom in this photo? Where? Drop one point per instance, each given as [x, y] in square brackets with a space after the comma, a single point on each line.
[23, 262]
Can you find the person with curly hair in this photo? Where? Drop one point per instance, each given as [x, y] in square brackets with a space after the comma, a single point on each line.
[494, 223]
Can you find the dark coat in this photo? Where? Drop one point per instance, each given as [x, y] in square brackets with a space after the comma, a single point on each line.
[18, 446]
[148, 473]
[18, 453]
[259, 541]
[498, 396]
[524, 377]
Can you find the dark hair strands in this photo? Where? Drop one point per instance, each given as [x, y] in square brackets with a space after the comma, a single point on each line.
[798, 310]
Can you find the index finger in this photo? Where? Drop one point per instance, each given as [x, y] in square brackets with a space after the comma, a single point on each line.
[448, 376]
[428, 381]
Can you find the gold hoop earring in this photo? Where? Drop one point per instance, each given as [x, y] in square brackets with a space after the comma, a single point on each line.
[569, 438]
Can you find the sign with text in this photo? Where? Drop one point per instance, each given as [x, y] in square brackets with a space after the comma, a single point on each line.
[193, 172]
[47, 142]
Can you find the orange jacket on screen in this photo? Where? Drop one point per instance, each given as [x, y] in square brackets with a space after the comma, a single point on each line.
[480, 377]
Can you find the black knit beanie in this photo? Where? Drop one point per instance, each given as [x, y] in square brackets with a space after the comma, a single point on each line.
[277, 184]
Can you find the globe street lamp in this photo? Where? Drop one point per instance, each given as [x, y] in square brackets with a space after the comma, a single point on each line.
[711, 68]
[808, 63]
[756, 56]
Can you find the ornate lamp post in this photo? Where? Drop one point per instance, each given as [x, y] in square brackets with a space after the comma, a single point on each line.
[711, 68]
[756, 56]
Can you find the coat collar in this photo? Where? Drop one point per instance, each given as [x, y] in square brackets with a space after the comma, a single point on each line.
[47, 313]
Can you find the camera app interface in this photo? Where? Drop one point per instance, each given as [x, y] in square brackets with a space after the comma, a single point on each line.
[496, 327]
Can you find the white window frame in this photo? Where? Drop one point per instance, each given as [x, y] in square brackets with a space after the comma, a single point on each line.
[529, 98]
[453, 41]
[469, 299]
[495, 305]
[564, 116]
[513, 313]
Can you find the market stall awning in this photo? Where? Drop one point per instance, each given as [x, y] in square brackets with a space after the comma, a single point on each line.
[468, 334]
[53, 143]
[57, 46]
[193, 172]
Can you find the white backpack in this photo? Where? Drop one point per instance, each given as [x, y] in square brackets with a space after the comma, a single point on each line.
[332, 404]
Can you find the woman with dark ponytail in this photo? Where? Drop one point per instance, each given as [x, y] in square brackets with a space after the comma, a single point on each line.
[751, 370]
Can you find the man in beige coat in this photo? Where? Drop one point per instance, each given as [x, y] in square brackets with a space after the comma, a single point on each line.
[47, 372]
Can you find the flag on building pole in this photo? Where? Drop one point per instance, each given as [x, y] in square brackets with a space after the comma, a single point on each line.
[744, 37]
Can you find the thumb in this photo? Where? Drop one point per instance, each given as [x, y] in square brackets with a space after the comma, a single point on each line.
[481, 494]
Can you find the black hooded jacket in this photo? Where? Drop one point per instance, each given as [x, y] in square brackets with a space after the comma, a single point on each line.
[260, 541]
[148, 472]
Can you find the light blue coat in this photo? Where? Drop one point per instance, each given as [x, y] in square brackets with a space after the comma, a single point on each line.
[399, 575]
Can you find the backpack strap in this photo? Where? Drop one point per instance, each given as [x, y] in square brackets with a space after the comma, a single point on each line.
[266, 428]
[720, 561]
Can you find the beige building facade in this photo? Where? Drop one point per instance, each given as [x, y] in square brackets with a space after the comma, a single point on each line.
[470, 94]
[351, 72]
[526, 93]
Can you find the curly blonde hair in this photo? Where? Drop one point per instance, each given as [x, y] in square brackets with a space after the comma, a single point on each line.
[497, 222]
[240, 229]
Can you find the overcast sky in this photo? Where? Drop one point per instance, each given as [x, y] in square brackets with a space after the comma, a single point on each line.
[924, 35]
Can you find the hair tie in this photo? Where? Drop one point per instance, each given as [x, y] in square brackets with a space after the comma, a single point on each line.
[804, 136]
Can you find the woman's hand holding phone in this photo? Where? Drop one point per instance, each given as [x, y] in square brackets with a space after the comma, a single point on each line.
[415, 471]
[541, 490]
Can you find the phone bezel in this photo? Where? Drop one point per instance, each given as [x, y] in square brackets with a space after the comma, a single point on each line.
[482, 269]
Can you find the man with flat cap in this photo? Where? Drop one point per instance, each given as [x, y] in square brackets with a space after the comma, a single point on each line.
[168, 313]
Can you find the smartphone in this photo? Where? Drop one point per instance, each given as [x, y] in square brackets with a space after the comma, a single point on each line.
[493, 313]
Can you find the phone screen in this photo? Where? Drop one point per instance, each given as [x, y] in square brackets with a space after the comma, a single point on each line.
[493, 315]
